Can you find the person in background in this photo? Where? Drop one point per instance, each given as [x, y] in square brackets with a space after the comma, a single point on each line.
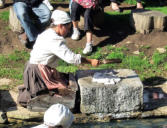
[57, 116]
[32, 26]
[79, 7]
[2, 3]
[115, 6]
[40, 72]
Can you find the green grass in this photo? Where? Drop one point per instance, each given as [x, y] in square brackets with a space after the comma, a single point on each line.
[140, 63]
[130, 2]
[116, 17]
[12, 65]
[159, 58]
[4, 16]
[161, 9]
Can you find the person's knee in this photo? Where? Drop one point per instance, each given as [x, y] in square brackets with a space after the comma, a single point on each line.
[87, 14]
[47, 17]
[21, 14]
[20, 10]
[74, 7]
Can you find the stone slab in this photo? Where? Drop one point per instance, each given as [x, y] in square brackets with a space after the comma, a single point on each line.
[125, 96]
[66, 96]
[19, 113]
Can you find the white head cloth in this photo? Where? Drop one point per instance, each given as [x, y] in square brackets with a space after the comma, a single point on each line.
[57, 115]
[60, 17]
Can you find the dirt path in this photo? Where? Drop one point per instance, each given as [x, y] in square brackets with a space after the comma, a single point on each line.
[115, 34]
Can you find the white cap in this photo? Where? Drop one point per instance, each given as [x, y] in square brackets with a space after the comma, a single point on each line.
[60, 17]
[57, 115]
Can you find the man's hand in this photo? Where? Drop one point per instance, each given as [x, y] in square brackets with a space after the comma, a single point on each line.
[94, 62]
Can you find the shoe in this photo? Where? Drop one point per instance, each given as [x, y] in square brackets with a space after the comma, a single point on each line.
[139, 6]
[29, 44]
[23, 38]
[87, 49]
[48, 5]
[75, 34]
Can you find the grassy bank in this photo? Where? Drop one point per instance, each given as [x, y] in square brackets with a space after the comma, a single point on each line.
[12, 65]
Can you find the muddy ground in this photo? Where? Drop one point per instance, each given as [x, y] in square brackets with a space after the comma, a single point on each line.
[115, 33]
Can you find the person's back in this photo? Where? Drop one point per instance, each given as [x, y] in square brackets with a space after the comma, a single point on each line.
[46, 44]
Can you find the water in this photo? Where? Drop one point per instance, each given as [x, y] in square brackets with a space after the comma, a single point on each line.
[141, 123]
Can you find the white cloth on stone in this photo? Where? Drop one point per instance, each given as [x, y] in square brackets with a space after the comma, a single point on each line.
[105, 78]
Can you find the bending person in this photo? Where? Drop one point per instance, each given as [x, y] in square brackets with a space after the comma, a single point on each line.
[40, 74]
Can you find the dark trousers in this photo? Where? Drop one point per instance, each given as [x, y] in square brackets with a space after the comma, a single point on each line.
[115, 1]
[77, 10]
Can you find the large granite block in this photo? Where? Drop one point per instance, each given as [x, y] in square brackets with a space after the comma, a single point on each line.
[124, 96]
[65, 96]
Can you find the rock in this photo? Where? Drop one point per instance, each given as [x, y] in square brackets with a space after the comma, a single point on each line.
[66, 96]
[14, 23]
[125, 96]
[3, 118]
[144, 21]
[136, 52]
[161, 50]
[128, 42]
[9, 104]
[5, 81]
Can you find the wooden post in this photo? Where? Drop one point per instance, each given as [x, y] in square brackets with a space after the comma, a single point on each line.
[145, 21]
[14, 23]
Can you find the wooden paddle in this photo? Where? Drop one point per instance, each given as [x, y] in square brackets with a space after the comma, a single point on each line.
[110, 61]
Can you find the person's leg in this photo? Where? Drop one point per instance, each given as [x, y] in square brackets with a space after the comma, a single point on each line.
[43, 14]
[70, 4]
[75, 16]
[88, 27]
[23, 14]
[139, 4]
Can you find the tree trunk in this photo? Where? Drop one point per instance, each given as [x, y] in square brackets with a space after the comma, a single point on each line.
[145, 21]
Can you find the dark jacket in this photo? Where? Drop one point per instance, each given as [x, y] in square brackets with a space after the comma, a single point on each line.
[30, 2]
